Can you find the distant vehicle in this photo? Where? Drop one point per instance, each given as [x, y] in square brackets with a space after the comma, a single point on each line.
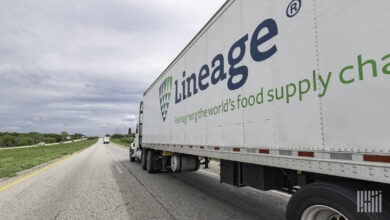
[41, 143]
[106, 140]
[294, 103]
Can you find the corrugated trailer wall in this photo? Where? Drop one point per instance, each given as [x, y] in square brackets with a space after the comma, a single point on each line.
[325, 88]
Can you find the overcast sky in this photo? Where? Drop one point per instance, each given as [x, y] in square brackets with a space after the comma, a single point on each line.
[82, 65]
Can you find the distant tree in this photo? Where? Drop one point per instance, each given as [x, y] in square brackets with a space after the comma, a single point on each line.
[117, 136]
[56, 136]
[7, 141]
[35, 136]
[30, 138]
[108, 135]
[49, 140]
[77, 136]
[64, 134]
[127, 140]
[14, 134]
[23, 140]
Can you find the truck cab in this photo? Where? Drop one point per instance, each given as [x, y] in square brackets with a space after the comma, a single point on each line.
[106, 140]
[135, 151]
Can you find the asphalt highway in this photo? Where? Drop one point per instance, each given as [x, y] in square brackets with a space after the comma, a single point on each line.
[101, 183]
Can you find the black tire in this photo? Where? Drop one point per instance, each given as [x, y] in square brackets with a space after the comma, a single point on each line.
[131, 152]
[197, 165]
[143, 159]
[339, 196]
[149, 161]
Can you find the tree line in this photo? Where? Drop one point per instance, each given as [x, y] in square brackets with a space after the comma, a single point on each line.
[12, 139]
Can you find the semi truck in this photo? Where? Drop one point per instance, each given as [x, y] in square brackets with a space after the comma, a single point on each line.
[288, 95]
[106, 140]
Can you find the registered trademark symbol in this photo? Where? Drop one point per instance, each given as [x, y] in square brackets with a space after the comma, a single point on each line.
[293, 8]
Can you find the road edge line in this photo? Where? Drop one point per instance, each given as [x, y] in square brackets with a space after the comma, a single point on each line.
[43, 169]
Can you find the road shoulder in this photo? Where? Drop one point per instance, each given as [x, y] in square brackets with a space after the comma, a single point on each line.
[24, 173]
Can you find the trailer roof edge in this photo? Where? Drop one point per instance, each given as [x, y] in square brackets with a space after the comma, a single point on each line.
[211, 21]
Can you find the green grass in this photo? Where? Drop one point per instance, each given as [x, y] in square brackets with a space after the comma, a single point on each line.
[13, 161]
[121, 142]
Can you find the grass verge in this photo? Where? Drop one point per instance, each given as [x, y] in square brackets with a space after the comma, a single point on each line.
[119, 142]
[13, 161]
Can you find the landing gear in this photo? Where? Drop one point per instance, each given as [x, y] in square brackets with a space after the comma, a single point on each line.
[206, 162]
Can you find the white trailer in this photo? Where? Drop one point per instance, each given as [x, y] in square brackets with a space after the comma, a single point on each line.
[106, 140]
[289, 95]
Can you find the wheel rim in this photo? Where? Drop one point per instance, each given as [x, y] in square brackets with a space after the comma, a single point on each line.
[175, 163]
[321, 212]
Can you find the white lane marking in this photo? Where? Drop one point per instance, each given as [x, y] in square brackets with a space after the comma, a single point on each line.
[209, 173]
[281, 193]
[119, 169]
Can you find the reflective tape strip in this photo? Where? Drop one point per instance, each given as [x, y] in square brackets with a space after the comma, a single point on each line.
[376, 158]
[263, 151]
[305, 154]
[291, 153]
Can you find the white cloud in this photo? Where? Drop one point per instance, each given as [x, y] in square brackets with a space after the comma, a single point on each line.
[130, 118]
[10, 129]
[82, 65]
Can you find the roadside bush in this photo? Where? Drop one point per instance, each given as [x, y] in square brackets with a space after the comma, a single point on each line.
[37, 137]
[76, 136]
[7, 141]
[126, 140]
[56, 136]
[13, 139]
[118, 136]
[49, 140]
[23, 141]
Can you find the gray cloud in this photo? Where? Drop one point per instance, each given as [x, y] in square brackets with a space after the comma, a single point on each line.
[82, 66]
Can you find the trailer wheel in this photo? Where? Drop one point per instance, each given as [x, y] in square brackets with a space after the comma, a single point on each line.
[329, 201]
[143, 159]
[149, 161]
